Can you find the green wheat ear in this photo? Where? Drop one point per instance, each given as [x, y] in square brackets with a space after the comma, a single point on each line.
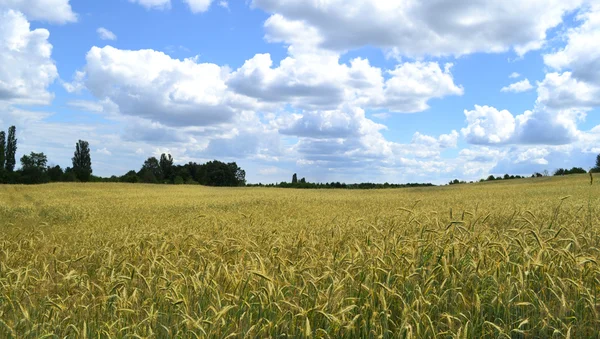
[591, 178]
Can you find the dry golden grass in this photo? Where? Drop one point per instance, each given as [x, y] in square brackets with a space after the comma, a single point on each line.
[512, 259]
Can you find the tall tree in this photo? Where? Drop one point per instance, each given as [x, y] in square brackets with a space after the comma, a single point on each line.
[166, 166]
[35, 161]
[11, 149]
[82, 161]
[598, 161]
[294, 179]
[151, 172]
[2, 149]
[33, 168]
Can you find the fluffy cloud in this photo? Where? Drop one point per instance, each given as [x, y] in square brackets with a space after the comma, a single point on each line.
[518, 87]
[152, 85]
[547, 127]
[308, 82]
[153, 4]
[105, 34]
[563, 91]
[578, 87]
[412, 85]
[581, 54]
[417, 28]
[196, 6]
[487, 125]
[318, 81]
[54, 11]
[27, 67]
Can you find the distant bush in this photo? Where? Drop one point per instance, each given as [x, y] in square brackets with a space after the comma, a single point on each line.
[574, 170]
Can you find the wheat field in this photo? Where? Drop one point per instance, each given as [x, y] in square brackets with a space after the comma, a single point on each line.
[506, 259]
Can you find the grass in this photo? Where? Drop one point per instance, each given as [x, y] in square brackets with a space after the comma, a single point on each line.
[504, 259]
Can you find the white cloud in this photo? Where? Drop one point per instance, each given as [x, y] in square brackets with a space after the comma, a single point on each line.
[412, 85]
[195, 6]
[329, 124]
[27, 67]
[224, 4]
[419, 28]
[563, 91]
[578, 87]
[514, 75]
[449, 140]
[198, 6]
[86, 106]
[547, 127]
[581, 55]
[487, 125]
[534, 155]
[153, 4]
[54, 11]
[105, 34]
[103, 151]
[152, 85]
[316, 80]
[77, 85]
[518, 87]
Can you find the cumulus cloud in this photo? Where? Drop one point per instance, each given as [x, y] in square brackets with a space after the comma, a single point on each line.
[319, 81]
[412, 85]
[152, 85]
[581, 55]
[578, 86]
[562, 91]
[419, 28]
[53, 11]
[105, 34]
[518, 87]
[488, 125]
[198, 6]
[27, 67]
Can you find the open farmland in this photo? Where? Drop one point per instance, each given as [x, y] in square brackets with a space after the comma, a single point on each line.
[114, 260]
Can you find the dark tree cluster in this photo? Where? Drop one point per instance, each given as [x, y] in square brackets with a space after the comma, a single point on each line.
[34, 166]
[163, 171]
[35, 170]
[574, 170]
[597, 168]
[302, 183]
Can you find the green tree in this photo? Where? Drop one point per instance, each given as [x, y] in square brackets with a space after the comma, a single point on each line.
[82, 161]
[598, 161]
[33, 168]
[151, 172]
[294, 179]
[166, 166]
[2, 149]
[11, 149]
[36, 161]
[55, 173]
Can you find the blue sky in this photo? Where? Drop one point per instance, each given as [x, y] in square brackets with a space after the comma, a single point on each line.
[353, 90]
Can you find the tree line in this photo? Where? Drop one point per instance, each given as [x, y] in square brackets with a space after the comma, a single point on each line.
[302, 183]
[34, 166]
[558, 172]
[35, 170]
